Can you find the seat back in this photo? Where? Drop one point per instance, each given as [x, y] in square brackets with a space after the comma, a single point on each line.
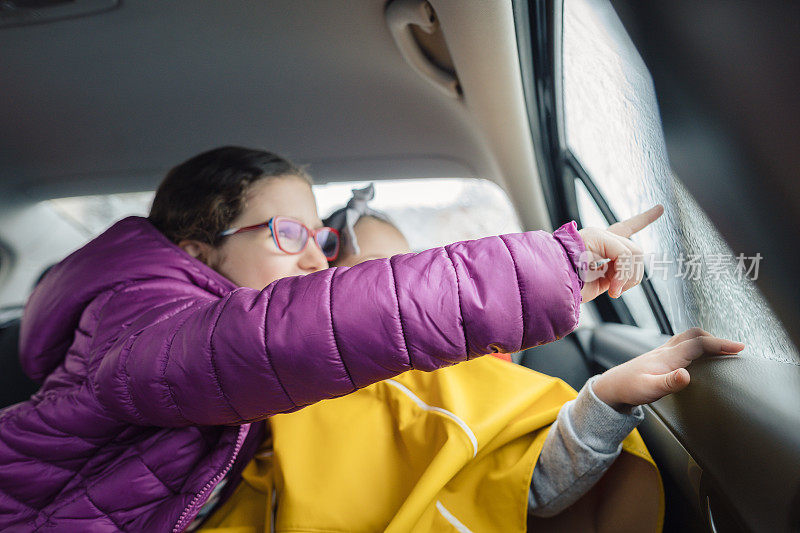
[563, 359]
[15, 386]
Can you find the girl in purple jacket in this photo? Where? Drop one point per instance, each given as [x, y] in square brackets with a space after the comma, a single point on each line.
[164, 342]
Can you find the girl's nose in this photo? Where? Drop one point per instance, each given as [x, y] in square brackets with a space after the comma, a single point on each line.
[312, 258]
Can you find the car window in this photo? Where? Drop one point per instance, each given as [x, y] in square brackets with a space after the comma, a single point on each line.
[635, 299]
[433, 212]
[613, 130]
[95, 213]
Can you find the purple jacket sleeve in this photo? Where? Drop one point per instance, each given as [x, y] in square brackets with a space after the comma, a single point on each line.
[187, 359]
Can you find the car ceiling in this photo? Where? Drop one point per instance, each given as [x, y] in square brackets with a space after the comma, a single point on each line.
[109, 102]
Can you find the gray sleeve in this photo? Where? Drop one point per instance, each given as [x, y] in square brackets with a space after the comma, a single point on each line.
[581, 445]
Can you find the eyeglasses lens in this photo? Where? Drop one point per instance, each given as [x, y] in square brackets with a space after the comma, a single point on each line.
[291, 235]
[328, 242]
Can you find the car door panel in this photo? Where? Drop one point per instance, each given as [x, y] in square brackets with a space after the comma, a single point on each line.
[735, 446]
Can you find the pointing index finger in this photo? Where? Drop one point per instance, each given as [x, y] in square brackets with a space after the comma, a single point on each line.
[626, 228]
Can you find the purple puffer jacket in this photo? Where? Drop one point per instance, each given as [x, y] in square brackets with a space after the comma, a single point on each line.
[154, 364]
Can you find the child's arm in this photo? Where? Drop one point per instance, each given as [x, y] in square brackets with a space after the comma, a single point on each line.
[581, 445]
[194, 359]
[588, 432]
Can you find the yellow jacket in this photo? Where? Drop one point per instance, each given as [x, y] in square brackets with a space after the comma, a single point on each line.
[450, 450]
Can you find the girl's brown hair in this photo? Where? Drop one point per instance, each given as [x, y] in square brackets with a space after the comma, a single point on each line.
[201, 197]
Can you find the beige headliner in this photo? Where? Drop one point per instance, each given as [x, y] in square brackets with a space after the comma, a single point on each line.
[109, 102]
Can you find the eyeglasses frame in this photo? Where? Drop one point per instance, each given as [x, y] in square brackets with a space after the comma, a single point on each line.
[312, 234]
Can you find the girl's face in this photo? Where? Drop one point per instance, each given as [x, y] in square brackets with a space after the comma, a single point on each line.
[376, 239]
[251, 258]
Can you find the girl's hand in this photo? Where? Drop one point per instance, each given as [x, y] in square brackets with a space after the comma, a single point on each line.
[655, 374]
[626, 268]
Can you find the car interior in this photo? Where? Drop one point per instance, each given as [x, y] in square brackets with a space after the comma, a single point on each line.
[695, 102]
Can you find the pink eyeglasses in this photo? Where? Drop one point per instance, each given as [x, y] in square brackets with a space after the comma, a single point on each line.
[291, 236]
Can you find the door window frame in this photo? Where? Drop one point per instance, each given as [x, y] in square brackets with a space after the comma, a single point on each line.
[539, 29]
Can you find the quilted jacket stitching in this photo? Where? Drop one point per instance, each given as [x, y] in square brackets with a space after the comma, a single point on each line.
[46, 516]
[167, 350]
[105, 513]
[119, 289]
[156, 476]
[126, 349]
[460, 307]
[523, 311]
[333, 328]
[569, 273]
[60, 394]
[212, 352]
[33, 511]
[40, 459]
[94, 351]
[97, 317]
[399, 314]
[266, 343]
[130, 341]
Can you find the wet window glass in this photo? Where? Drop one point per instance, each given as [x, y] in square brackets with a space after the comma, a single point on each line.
[614, 130]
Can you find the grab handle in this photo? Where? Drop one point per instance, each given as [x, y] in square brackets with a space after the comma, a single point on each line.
[400, 16]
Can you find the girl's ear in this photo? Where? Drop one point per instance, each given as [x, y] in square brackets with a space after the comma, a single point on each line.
[198, 250]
